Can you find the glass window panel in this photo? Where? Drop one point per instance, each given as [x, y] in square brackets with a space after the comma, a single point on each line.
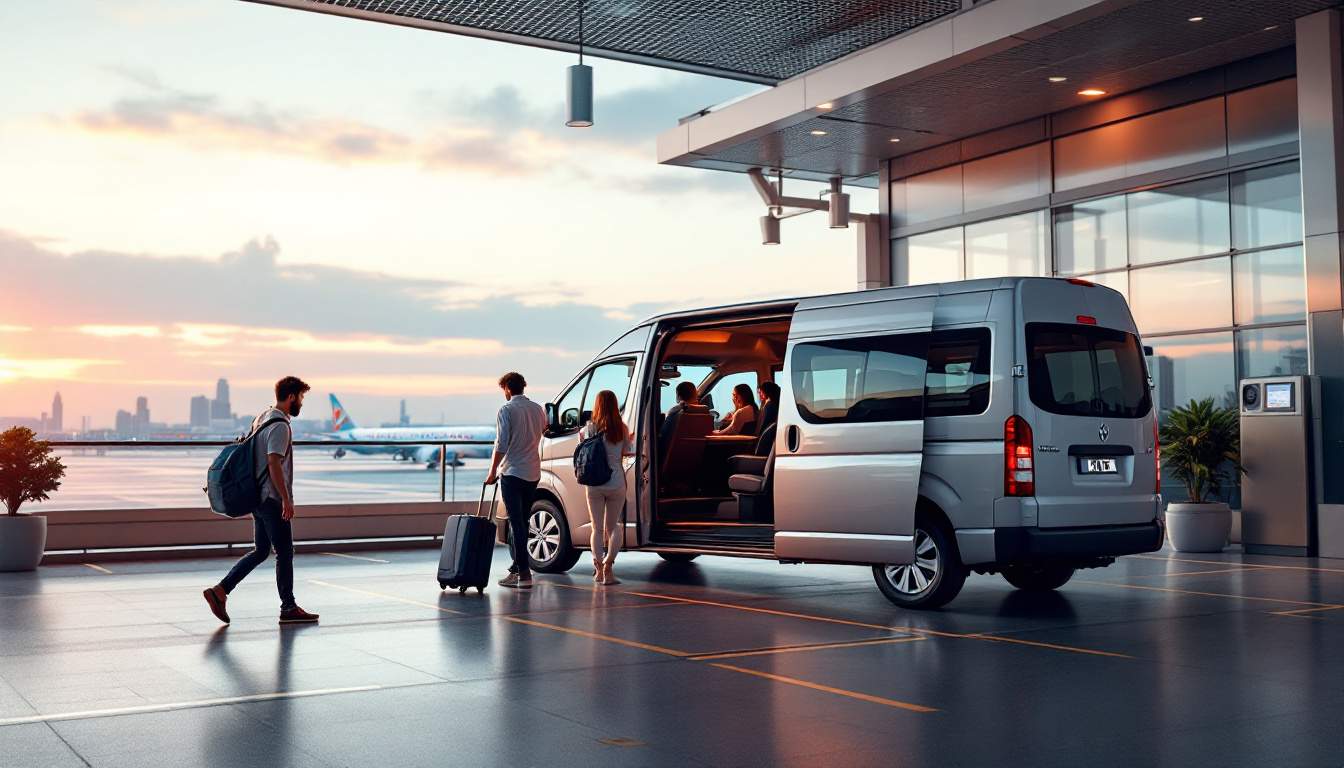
[957, 382]
[1093, 156]
[567, 407]
[1014, 245]
[1008, 177]
[861, 380]
[1116, 281]
[1260, 117]
[721, 395]
[933, 257]
[1182, 297]
[1272, 351]
[1267, 206]
[614, 376]
[1178, 136]
[1192, 367]
[933, 195]
[696, 374]
[1090, 237]
[1271, 286]
[1178, 222]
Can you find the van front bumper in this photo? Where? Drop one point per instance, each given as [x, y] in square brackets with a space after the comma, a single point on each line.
[1022, 544]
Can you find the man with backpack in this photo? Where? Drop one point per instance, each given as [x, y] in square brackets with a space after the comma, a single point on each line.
[273, 453]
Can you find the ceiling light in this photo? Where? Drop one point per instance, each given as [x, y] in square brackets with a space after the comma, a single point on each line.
[895, 141]
[1057, 78]
[769, 230]
[579, 88]
[1271, 27]
[818, 133]
[1195, 19]
[1091, 92]
[826, 105]
[838, 205]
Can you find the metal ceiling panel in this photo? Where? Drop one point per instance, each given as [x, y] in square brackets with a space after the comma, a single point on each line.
[758, 40]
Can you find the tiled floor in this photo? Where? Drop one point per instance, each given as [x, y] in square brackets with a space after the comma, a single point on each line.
[1165, 659]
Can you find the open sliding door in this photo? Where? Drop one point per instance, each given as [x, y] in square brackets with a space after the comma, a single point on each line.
[850, 442]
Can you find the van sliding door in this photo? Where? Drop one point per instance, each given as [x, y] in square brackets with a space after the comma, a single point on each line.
[851, 432]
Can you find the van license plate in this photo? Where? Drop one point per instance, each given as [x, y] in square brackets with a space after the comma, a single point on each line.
[1099, 466]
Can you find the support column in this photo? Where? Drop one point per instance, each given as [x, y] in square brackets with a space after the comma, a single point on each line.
[874, 238]
[1320, 115]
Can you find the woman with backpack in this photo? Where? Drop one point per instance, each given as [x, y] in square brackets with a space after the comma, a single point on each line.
[605, 501]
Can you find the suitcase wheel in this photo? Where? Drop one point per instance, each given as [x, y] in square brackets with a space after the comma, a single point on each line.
[443, 584]
[461, 590]
[480, 590]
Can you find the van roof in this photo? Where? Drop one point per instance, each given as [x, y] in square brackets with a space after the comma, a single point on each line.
[857, 297]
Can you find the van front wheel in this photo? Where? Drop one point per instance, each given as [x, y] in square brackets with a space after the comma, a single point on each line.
[1035, 577]
[549, 549]
[933, 579]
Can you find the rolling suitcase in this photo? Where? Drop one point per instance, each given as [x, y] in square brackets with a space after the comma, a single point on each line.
[468, 547]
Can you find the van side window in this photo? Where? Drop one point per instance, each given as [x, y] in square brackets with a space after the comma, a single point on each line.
[880, 378]
[568, 405]
[615, 376]
[1086, 370]
[957, 383]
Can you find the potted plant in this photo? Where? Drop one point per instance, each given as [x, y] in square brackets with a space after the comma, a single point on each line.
[28, 472]
[1201, 447]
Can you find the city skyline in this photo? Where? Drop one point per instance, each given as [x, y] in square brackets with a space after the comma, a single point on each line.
[384, 225]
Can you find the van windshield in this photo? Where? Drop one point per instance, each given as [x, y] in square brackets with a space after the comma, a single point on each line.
[1082, 370]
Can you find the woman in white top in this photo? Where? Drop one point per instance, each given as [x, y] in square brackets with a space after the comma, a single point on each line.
[742, 421]
[606, 501]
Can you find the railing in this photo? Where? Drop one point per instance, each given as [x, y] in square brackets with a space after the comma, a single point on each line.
[88, 533]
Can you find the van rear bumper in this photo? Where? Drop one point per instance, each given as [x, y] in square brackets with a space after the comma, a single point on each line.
[1020, 544]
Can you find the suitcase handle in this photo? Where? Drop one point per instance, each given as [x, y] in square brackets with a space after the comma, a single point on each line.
[493, 497]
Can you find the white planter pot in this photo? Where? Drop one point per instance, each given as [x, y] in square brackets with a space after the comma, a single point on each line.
[22, 541]
[1199, 527]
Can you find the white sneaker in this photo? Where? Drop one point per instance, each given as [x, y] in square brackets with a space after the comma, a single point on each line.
[513, 582]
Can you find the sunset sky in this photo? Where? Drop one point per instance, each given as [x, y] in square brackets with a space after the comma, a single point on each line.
[204, 188]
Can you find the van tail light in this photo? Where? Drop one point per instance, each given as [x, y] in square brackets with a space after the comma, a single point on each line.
[1157, 461]
[1019, 466]
[1087, 320]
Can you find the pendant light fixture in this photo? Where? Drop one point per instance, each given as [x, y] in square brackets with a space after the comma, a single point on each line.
[579, 94]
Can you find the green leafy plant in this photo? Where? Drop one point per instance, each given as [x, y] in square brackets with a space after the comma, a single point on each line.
[1201, 447]
[28, 470]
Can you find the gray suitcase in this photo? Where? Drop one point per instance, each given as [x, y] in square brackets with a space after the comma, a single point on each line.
[468, 548]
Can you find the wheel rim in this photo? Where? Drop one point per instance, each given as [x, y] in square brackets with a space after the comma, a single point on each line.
[917, 577]
[543, 535]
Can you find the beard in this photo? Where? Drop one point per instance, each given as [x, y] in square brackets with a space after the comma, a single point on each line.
[294, 409]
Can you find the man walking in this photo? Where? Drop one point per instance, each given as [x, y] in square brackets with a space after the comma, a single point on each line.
[518, 430]
[270, 523]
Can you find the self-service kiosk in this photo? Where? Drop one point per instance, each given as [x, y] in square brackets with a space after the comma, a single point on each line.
[1280, 440]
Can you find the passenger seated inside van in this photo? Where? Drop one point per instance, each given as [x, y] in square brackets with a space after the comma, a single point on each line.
[742, 421]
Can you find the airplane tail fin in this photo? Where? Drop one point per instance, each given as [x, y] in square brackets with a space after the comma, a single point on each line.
[340, 419]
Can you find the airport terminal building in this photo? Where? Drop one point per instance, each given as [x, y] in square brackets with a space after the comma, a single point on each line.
[1186, 153]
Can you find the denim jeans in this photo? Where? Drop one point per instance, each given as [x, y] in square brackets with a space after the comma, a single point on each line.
[518, 494]
[269, 531]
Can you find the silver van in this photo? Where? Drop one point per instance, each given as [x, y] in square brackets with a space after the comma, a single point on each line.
[996, 426]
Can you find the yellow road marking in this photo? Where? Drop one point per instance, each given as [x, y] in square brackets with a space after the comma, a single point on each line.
[865, 625]
[802, 648]
[354, 557]
[1301, 612]
[1311, 568]
[1252, 598]
[596, 636]
[386, 597]
[828, 689]
[96, 567]
[1052, 646]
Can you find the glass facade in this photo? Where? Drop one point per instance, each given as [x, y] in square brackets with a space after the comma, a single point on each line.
[1211, 262]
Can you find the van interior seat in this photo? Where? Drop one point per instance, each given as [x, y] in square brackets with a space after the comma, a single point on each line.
[686, 447]
[753, 492]
[754, 464]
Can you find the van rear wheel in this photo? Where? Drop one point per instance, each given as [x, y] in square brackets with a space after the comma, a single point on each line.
[933, 579]
[1037, 577]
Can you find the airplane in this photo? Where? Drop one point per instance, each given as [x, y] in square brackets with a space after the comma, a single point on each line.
[344, 428]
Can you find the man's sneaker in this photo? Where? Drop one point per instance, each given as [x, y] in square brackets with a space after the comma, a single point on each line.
[512, 581]
[297, 615]
[216, 598]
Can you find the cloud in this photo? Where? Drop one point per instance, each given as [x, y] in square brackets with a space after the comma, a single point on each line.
[51, 368]
[120, 331]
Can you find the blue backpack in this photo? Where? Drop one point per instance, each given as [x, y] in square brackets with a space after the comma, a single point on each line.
[590, 461]
[233, 489]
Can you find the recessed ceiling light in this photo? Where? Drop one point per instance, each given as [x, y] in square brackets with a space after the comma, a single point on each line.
[826, 105]
[1271, 27]
[1091, 92]
[1195, 19]
[895, 141]
[1057, 78]
[818, 133]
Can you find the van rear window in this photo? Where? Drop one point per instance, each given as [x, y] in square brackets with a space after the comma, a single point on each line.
[1081, 370]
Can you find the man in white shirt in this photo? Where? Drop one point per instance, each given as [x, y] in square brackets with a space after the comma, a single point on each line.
[274, 451]
[516, 464]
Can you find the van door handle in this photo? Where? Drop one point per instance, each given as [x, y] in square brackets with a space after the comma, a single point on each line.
[794, 437]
